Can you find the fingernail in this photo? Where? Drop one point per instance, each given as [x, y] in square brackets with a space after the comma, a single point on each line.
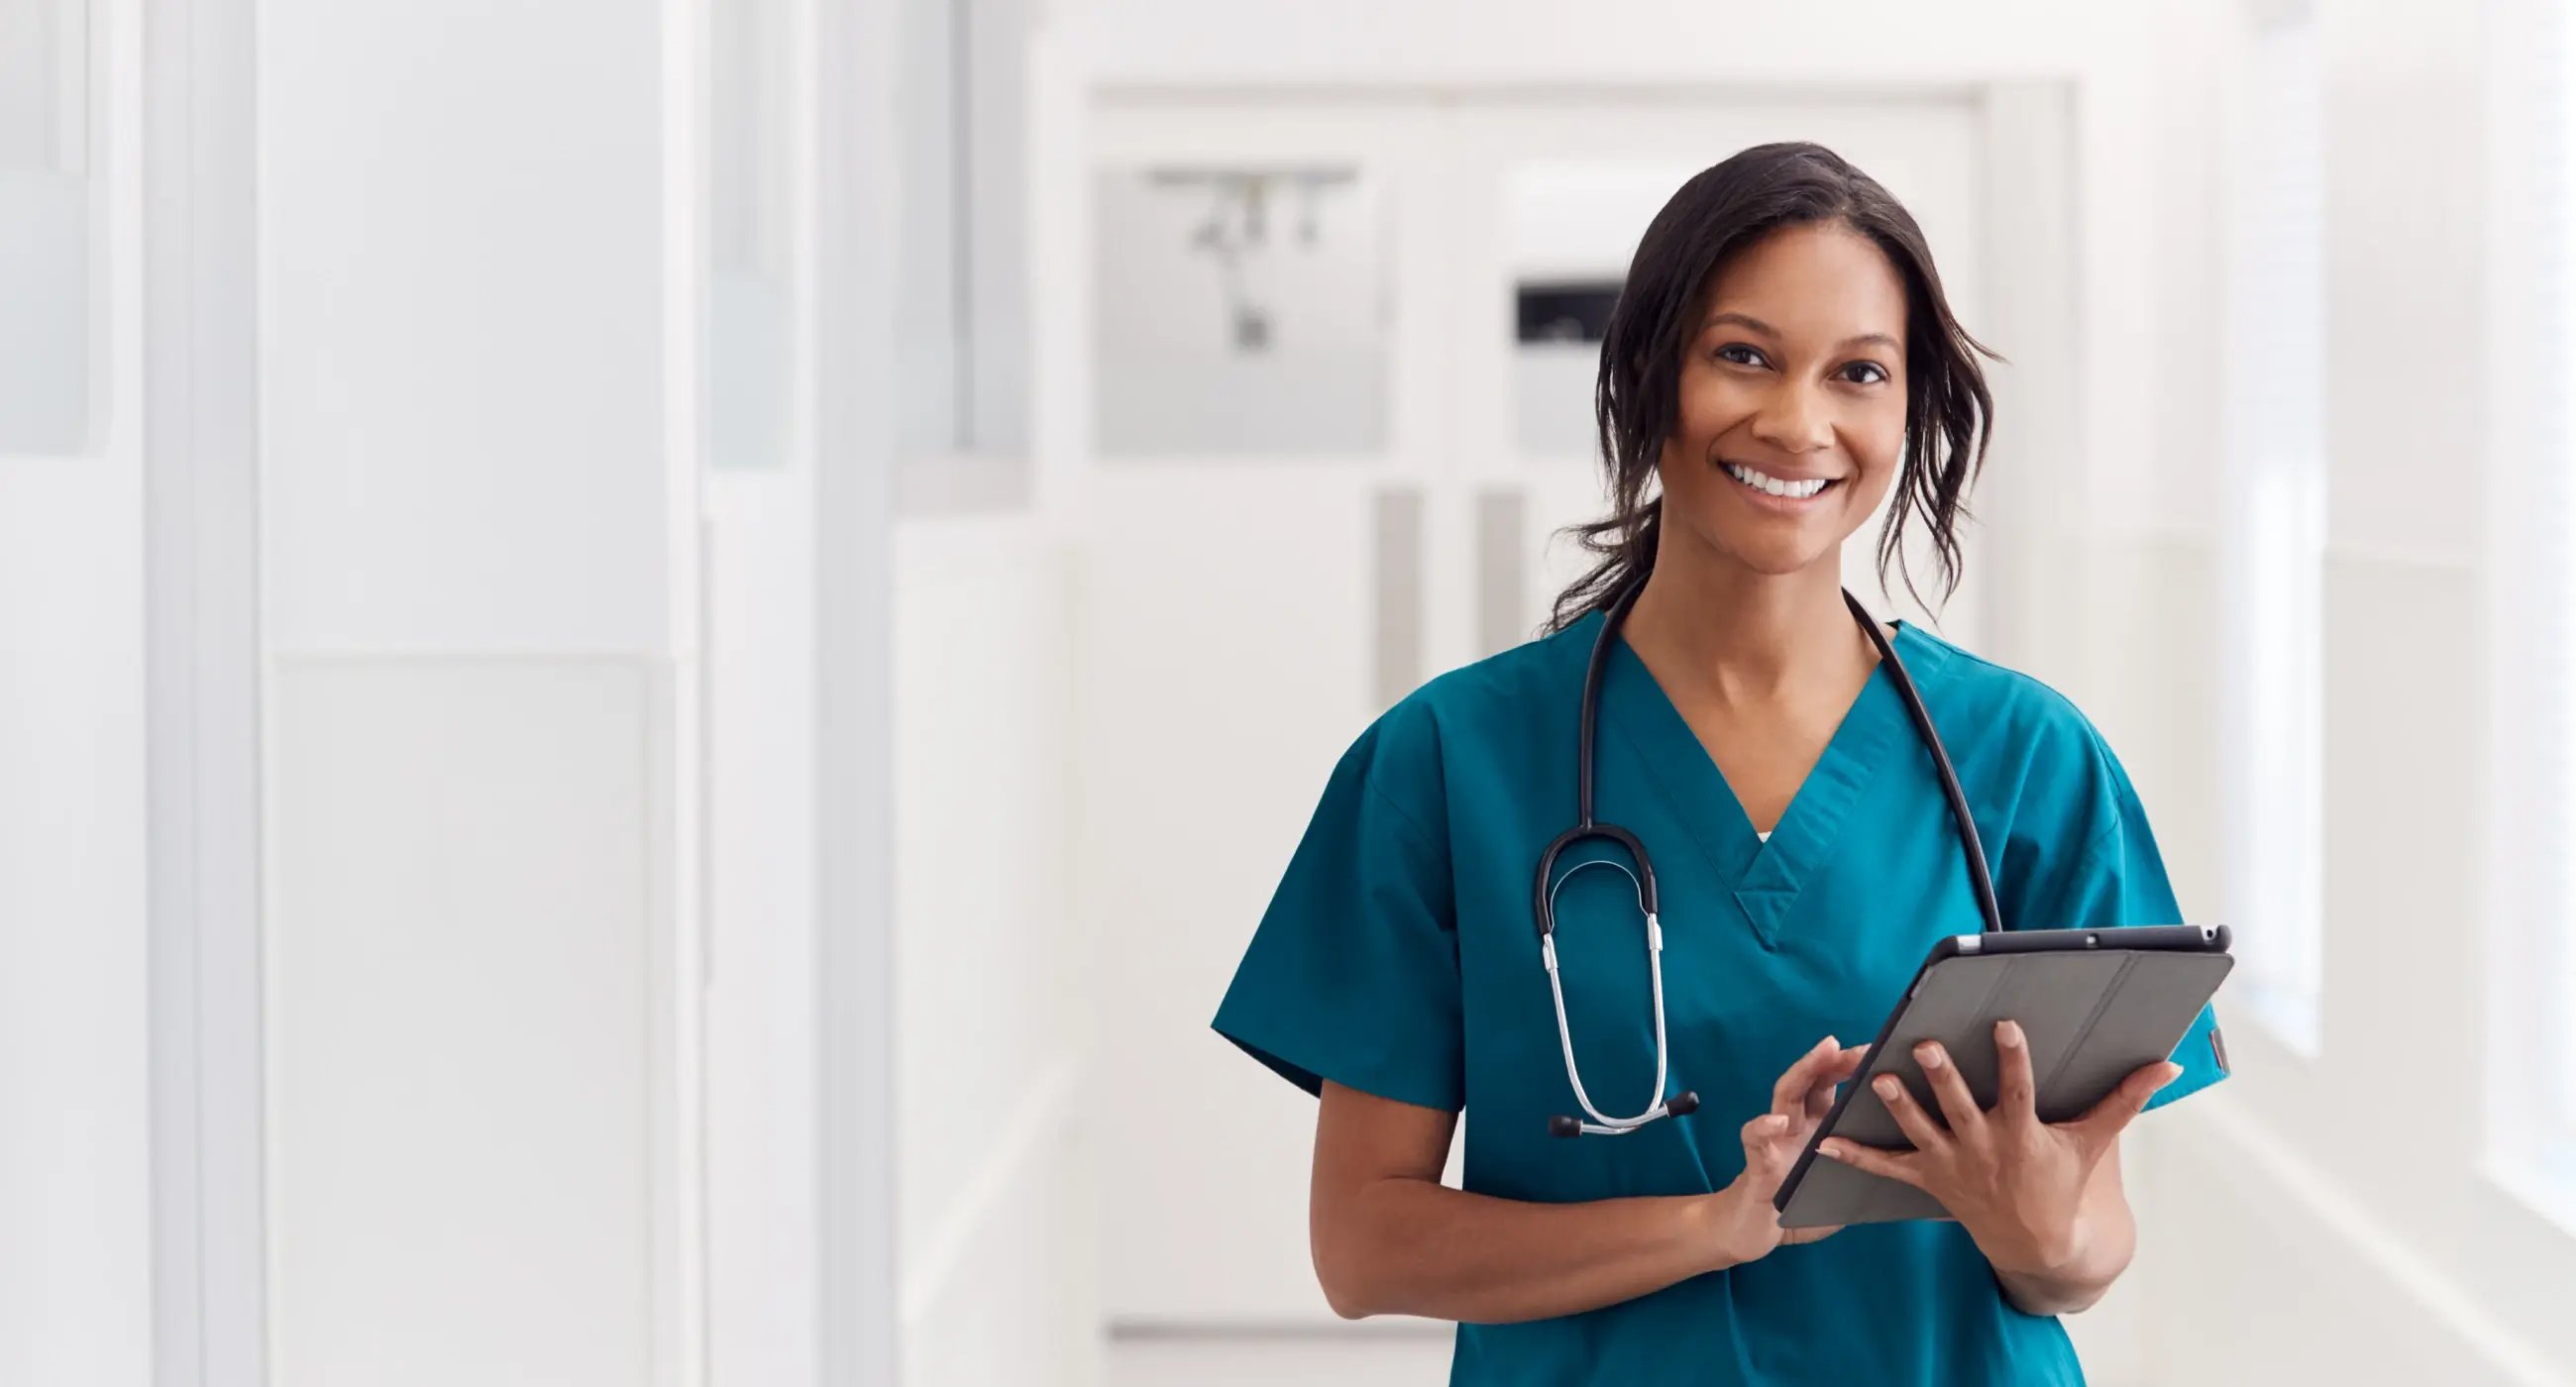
[1831, 1148]
[1928, 1054]
[1828, 1043]
[1886, 1086]
[2173, 1071]
[2008, 1032]
[1775, 1123]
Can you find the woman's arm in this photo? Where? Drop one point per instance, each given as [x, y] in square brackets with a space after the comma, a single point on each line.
[2106, 1236]
[1390, 1239]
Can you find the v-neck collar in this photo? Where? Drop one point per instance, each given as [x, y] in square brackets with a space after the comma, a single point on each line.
[1766, 875]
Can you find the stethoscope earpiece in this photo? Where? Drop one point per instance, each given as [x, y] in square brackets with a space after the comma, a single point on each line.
[1544, 894]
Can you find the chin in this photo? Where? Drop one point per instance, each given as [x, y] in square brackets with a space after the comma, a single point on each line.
[1777, 567]
[1777, 556]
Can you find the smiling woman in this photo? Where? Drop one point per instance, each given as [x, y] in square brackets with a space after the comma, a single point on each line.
[1781, 360]
[1784, 358]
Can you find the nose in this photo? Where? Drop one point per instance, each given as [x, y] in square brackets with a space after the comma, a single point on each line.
[1795, 418]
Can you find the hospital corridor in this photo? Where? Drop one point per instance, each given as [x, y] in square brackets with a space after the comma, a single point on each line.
[880, 693]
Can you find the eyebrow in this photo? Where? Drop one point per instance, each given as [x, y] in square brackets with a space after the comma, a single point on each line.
[1748, 320]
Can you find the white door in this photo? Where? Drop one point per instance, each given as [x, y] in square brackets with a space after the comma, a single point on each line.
[1247, 601]
[1250, 540]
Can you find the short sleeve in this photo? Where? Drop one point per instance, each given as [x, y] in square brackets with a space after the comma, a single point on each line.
[1352, 974]
[2117, 878]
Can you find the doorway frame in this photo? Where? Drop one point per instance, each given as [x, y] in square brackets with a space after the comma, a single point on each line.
[203, 689]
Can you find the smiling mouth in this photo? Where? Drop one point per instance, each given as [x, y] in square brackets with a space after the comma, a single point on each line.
[1769, 485]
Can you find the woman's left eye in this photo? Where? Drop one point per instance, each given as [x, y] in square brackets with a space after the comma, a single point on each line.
[1864, 373]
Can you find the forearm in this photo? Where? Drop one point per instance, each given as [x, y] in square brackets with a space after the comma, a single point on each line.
[1417, 1247]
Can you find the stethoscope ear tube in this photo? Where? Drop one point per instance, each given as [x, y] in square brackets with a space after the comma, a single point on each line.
[1980, 881]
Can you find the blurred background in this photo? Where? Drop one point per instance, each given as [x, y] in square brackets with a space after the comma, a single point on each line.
[654, 657]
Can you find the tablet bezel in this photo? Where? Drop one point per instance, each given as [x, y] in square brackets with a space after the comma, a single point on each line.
[2194, 939]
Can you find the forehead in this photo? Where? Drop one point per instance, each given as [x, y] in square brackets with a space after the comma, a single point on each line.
[1822, 281]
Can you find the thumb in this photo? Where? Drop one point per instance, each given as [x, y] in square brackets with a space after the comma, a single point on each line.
[2104, 1121]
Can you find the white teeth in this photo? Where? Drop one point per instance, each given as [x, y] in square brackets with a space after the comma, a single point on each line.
[1764, 482]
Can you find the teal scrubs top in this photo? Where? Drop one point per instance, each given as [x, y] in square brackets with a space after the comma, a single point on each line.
[1399, 956]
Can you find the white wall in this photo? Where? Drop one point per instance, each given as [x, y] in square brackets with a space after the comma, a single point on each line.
[479, 545]
[75, 1266]
[997, 1094]
[760, 899]
[2346, 1188]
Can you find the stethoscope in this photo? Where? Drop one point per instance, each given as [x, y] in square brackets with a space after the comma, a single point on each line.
[1643, 878]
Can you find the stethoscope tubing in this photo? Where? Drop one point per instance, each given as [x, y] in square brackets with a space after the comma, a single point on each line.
[1589, 826]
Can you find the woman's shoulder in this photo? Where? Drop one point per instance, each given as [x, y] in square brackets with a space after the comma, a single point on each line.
[2000, 709]
[1504, 696]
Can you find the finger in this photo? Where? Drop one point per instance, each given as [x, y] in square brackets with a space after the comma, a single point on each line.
[2104, 1122]
[2015, 1090]
[1788, 1096]
[1820, 1099]
[1795, 1236]
[1830, 1076]
[1950, 1090]
[1895, 1165]
[1911, 1119]
[1762, 1145]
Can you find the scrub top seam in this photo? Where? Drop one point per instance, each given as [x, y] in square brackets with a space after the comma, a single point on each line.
[1422, 837]
[2093, 849]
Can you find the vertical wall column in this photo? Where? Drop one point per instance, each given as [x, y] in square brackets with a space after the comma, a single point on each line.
[475, 313]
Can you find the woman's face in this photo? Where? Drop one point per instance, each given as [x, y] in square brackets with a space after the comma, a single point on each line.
[1796, 379]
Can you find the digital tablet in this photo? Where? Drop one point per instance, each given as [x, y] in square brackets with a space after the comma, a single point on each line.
[2095, 1004]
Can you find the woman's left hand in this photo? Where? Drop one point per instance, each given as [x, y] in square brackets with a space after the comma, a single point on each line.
[2017, 1184]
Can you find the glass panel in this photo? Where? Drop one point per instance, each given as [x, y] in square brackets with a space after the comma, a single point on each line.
[48, 228]
[2273, 550]
[1240, 312]
[44, 58]
[2547, 504]
[747, 283]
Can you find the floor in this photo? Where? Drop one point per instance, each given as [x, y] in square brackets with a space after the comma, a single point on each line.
[1407, 1357]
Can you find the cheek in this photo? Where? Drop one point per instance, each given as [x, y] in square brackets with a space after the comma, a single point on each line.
[1876, 441]
[1706, 405]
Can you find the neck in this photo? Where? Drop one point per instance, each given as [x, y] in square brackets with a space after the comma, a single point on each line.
[1747, 637]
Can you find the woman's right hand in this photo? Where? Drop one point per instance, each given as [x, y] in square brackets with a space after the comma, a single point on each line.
[1748, 1226]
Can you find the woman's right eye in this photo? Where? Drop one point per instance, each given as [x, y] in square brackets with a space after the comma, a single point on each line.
[1739, 354]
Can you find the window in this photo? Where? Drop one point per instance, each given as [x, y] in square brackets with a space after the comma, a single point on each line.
[2550, 989]
[750, 269]
[2532, 977]
[51, 231]
[2272, 551]
[961, 307]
